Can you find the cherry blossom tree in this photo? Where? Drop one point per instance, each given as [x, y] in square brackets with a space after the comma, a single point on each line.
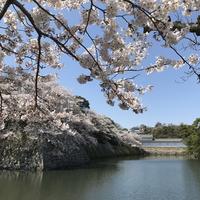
[110, 39]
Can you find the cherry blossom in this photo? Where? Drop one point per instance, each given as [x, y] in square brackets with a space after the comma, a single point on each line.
[110, 39]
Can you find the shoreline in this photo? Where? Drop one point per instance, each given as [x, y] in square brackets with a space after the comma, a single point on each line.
[182, 151]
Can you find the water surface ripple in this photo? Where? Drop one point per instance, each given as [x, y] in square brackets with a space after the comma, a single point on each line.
[129, 179]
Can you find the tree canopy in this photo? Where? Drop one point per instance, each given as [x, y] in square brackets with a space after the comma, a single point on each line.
[109, 38]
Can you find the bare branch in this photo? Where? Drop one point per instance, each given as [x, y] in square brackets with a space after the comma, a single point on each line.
[37, 72]
[1, 103]
[88, 18]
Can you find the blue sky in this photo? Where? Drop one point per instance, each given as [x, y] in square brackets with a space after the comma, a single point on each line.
[170, 101]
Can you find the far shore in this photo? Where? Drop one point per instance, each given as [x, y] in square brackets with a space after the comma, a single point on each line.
[166, 150]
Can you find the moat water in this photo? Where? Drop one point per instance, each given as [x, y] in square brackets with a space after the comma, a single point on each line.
[166, 178]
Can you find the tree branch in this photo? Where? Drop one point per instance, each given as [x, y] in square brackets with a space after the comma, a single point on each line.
[1, 103]
[40, 32]
[37, 72]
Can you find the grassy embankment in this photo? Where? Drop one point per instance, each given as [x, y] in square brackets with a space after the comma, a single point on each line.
[166, 150]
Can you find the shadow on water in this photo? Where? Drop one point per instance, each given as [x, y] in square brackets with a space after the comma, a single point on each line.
[20, 185]
[151, 178]
[55, 185]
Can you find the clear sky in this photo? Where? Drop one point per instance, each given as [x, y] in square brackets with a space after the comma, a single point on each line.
[170, 101]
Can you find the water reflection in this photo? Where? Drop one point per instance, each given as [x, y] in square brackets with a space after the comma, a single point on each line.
[20, 185]
[53, 185]
[144, 179]
[191, 176]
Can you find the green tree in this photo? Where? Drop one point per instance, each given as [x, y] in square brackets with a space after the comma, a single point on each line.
[193, 140]
[196, 122]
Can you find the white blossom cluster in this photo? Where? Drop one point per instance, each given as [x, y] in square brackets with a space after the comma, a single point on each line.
[54, 105]
[110, 38]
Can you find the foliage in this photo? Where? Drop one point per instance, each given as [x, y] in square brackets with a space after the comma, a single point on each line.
[108, 38]
[167, 130]
[171, 131]
[189, 133]
[55, 105]
[196, 122]
[82, 102]
[193, 141]
[58, 112]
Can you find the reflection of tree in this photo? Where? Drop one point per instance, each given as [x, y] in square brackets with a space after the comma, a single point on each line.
[20, 185]
[78, 183]
[52, 185]
[192, 179]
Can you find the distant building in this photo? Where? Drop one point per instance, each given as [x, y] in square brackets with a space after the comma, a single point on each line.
[146, 137]
[135, 130]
